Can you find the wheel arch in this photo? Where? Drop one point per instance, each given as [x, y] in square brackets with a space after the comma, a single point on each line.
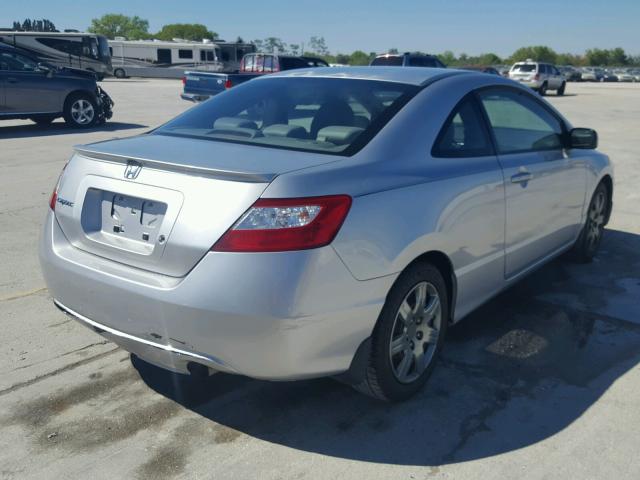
[443, 263]
[607, 181]
[78, 91]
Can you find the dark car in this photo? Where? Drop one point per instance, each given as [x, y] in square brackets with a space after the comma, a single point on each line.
[407, 59]
[480, 68]
[42, 92]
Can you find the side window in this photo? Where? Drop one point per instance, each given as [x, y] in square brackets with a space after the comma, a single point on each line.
[17, 63]
[463, 134]
[520, 123]
[185, 53]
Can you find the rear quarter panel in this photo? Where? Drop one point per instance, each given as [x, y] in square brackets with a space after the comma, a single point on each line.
[407, 203]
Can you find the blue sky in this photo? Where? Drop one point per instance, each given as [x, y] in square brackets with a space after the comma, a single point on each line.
[470, 26]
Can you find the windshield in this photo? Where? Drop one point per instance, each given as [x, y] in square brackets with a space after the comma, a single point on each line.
[103, 47]
[524, 67]
[325, 115]
[391, 61]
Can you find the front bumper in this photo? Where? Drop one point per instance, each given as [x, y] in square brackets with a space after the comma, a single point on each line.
[105, 105]
[276, 316]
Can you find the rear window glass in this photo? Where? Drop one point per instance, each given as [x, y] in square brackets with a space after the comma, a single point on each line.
[325, 115]
[394, 61]
[524, 67]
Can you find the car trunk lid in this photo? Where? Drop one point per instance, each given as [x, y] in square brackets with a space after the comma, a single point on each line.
[159, 203]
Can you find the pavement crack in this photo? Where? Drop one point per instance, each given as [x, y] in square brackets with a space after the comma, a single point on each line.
[23, 294]
[66, 368]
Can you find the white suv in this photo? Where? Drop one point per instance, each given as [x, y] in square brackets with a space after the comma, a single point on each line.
[539, 76]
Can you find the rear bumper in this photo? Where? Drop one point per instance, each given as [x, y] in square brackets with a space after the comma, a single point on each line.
[276, 316]
[194, 97]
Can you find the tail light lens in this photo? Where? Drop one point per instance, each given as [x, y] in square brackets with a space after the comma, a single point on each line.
[228, 84]
[54, 195]
[184, 80]
[536, 76]
[277, 225]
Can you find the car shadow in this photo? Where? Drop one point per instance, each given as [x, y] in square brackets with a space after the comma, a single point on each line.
[60, 128]
[517, 371]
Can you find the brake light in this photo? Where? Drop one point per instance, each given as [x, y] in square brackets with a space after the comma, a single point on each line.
[277, 225]
[184, 80]
[54, 195]
[536, 76]
[53, 199]
[228, 84]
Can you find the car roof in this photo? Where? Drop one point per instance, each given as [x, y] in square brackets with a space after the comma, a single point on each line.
[408, 75]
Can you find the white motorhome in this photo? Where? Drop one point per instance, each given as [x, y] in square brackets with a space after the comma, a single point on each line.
[139, 57]
[78, 50]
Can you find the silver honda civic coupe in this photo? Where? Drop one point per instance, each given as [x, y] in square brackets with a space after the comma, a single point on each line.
[325, 222]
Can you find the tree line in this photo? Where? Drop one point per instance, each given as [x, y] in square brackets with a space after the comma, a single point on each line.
[135, 28]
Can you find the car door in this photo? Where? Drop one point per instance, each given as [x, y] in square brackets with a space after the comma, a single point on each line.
[556, 76]
[29, 89]
[544, 187]
[474, 220]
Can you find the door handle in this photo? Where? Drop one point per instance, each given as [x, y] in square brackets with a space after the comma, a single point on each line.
[521, 177]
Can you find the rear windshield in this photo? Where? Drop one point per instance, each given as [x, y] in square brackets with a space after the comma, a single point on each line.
[393, 61]
[524, 67]
[325, 115]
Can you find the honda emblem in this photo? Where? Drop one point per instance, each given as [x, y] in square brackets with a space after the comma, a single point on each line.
[132, 170]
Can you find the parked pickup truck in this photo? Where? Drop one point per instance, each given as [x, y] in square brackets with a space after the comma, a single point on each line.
[199, 86]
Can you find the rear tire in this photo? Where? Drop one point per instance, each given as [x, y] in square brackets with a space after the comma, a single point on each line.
[543, 89]
[80, 111]
[119, 73]
[408, 335]
[562, 88]
[590, 237]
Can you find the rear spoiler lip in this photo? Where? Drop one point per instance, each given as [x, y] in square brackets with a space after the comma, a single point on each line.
[235, 176]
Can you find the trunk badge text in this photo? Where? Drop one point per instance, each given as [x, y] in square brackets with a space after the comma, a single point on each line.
[132, 170]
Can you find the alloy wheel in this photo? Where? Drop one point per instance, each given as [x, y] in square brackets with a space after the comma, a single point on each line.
[82, 111]
[415, 332]
[595, 223]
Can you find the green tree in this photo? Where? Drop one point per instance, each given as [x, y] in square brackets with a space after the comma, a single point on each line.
[359, 58]
[318, 46]
[294, 48]
[448, 58]
[274, 45]
[343, 59]
[617, 56]
[539, 53]
[597, 56]
[393, 51]
[187, 31]
[489, 59]
[114, 25]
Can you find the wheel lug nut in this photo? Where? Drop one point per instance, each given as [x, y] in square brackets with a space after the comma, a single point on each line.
[419, 335]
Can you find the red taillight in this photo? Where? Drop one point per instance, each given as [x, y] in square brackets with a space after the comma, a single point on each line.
[184, 80]
[276, 225]
[228, 84]
[536, 76]
[54, 197]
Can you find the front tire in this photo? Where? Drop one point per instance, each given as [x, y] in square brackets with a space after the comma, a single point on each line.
[119, 73]
[81, 111]
[408, 336]
[590, 237]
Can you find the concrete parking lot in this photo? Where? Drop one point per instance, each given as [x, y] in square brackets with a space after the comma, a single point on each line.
[542, 382]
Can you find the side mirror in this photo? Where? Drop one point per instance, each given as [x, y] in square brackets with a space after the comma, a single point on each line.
[43, 67]
[584, 138]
